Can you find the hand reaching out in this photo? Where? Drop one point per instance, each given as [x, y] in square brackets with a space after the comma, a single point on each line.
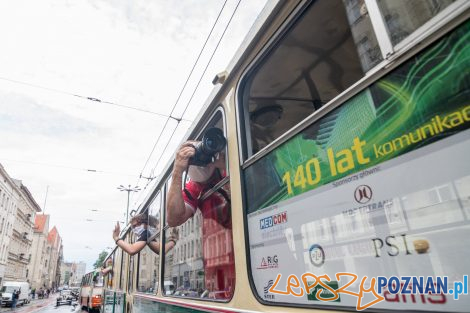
[174, 234]
[116, 231]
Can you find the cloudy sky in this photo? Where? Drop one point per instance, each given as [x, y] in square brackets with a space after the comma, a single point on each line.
[138, 53]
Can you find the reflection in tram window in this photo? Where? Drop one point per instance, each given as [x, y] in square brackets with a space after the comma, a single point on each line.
[327, 53]
[107, 271]
[404, 17]
[432, 207]
[149, 259]
[462, 187]
[205, 265]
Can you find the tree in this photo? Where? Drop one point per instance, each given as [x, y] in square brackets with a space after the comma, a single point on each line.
[100, 260]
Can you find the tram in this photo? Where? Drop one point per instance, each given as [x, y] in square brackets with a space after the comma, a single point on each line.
[347, 127]
[91, 291]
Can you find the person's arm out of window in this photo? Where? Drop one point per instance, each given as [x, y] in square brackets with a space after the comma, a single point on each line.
[177, 210]
[128, 247]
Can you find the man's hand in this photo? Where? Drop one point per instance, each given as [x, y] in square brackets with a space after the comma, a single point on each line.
[116, 232]
[183, 155]
[174, 234]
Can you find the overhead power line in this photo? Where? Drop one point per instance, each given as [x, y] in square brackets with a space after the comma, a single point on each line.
[182, 89]
[192, 95]
[200, 79]
[90, 98]
[67, 167]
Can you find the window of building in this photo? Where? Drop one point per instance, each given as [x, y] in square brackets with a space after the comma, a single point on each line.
[195, 273]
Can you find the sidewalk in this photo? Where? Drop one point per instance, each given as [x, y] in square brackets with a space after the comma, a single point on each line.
[34, 306]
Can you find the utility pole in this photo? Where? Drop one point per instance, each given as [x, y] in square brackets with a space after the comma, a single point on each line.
[129, 190]
[45, 201]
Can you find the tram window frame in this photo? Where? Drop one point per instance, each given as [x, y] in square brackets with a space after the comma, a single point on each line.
[245, 116]
[159, 196]
[110, 275]
[424, 35]
[417, 32]
[415, 45]
[120, 261]
[130, 269]
[211, 121]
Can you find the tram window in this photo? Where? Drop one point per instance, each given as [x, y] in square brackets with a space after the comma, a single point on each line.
[107, 270]
[130, 278]
[149, 257]
[403, 17]
[320, 216]
[328, 49]
[120, 268]
[197, 267]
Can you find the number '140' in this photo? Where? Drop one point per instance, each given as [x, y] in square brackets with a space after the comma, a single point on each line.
[308, 173]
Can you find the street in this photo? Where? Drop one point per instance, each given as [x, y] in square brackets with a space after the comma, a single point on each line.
[43, 306]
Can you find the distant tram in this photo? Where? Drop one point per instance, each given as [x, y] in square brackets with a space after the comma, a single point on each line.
[91, 291]
[348, 143]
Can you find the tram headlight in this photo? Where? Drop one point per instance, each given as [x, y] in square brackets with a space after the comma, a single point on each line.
[213, 141]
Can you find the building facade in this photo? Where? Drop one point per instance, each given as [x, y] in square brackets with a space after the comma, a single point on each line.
[44, 268]
[38, 267]
[54, 244]
[17, 213]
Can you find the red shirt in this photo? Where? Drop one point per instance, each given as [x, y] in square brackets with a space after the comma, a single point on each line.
[219, 262]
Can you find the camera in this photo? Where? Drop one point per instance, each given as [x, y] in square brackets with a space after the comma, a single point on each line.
[213, 141]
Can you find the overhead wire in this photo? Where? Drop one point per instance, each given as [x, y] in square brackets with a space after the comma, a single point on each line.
[202, 76]
[93, 99]
[67, 167]
[182, 90]
[195, 89]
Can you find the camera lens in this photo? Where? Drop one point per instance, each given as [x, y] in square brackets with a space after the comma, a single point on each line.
[213, 141]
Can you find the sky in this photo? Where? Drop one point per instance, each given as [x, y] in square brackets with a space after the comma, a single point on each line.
[72, 153]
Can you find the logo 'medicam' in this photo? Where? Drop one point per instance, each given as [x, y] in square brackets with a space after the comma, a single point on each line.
[272, 220]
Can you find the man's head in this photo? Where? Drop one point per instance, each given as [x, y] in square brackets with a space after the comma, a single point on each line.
[139, 219]
[202, 174]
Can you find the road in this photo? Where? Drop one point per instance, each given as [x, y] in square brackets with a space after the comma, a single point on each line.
[43, 306]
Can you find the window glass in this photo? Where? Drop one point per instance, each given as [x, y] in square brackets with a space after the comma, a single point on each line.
[98, 279]
[328, 49]
[403, 17]
[149, 258]
[201, 263]
[131, 238]
[108, 272]
[379, 186]
[120, 267]
[124, 267]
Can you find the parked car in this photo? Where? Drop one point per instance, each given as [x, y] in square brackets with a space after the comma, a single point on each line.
[9, 287]
[65, 297]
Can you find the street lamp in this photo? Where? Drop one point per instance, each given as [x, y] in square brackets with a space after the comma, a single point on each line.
[129, 190]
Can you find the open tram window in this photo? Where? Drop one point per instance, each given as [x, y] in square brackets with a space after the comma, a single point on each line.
[107, 271]
[327, 50]
[403, 17]
[149, 259]
[201, 265]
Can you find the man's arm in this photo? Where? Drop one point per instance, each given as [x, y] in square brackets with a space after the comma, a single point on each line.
[155, 246]
[177, 211]
[129, 248]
